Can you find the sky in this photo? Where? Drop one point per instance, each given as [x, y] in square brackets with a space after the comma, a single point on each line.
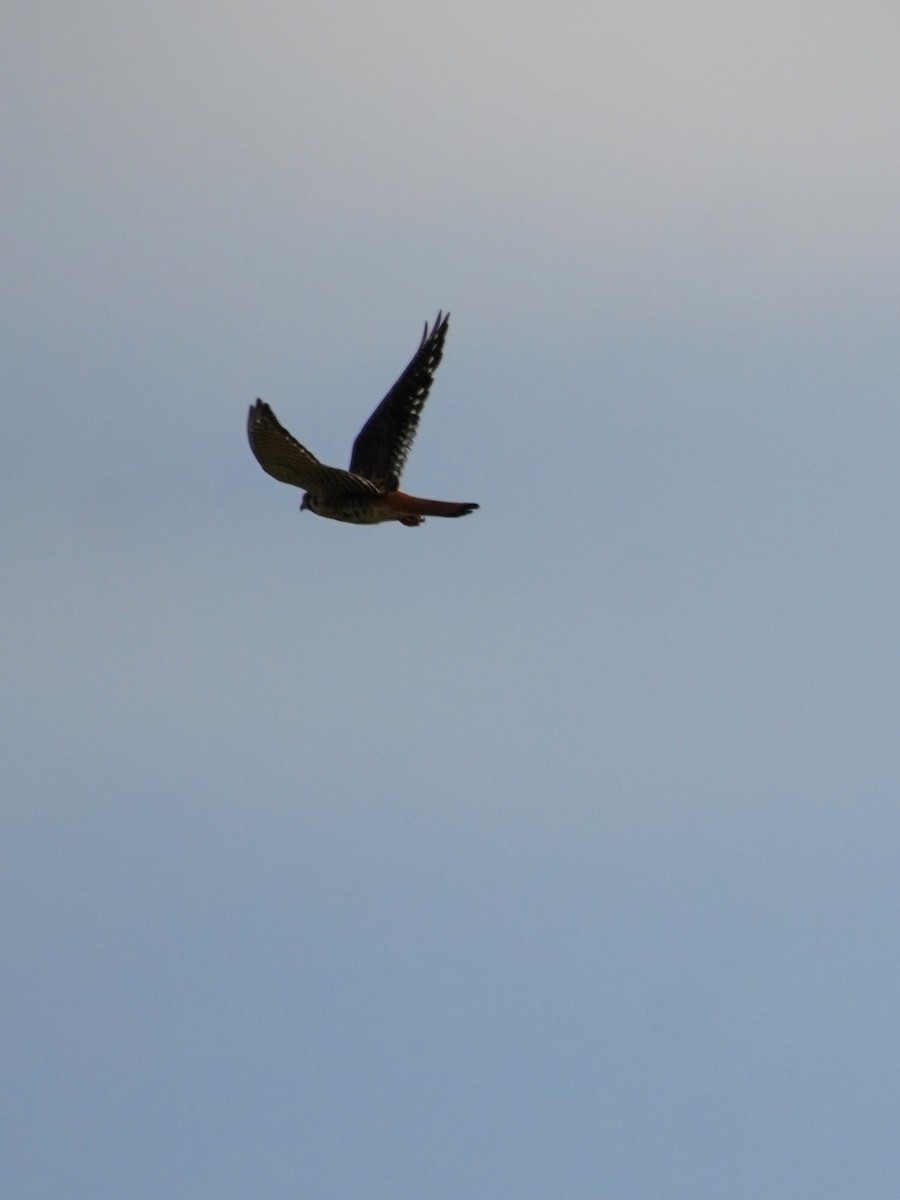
[547, 853]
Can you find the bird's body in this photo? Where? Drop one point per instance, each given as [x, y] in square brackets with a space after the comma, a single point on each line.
[369, 492]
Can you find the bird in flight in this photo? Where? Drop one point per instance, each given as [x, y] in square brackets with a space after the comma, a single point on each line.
[369, 492]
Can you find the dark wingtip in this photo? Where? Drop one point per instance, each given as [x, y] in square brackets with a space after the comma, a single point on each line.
[440, 325]
[258, 414]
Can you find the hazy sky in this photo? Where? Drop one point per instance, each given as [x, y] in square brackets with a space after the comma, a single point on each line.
[549, 853]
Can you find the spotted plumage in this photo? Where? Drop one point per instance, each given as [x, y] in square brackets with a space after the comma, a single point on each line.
[368, 493]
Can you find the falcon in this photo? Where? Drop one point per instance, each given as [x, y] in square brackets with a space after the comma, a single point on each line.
[369, 492]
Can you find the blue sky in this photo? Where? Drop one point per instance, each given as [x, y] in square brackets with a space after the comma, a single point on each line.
[548, 853]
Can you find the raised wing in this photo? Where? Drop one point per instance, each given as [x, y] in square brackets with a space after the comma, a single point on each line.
[384, 442]
[277, 452]
[281, 455]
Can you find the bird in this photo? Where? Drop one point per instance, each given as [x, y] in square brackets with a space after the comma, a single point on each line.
[369, 492]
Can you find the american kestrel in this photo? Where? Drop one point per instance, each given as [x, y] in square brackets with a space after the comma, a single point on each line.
[370, 491]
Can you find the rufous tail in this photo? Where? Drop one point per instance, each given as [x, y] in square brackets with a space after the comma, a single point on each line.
[415, 506]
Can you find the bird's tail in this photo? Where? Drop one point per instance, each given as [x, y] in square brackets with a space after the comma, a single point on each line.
[415, 506]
